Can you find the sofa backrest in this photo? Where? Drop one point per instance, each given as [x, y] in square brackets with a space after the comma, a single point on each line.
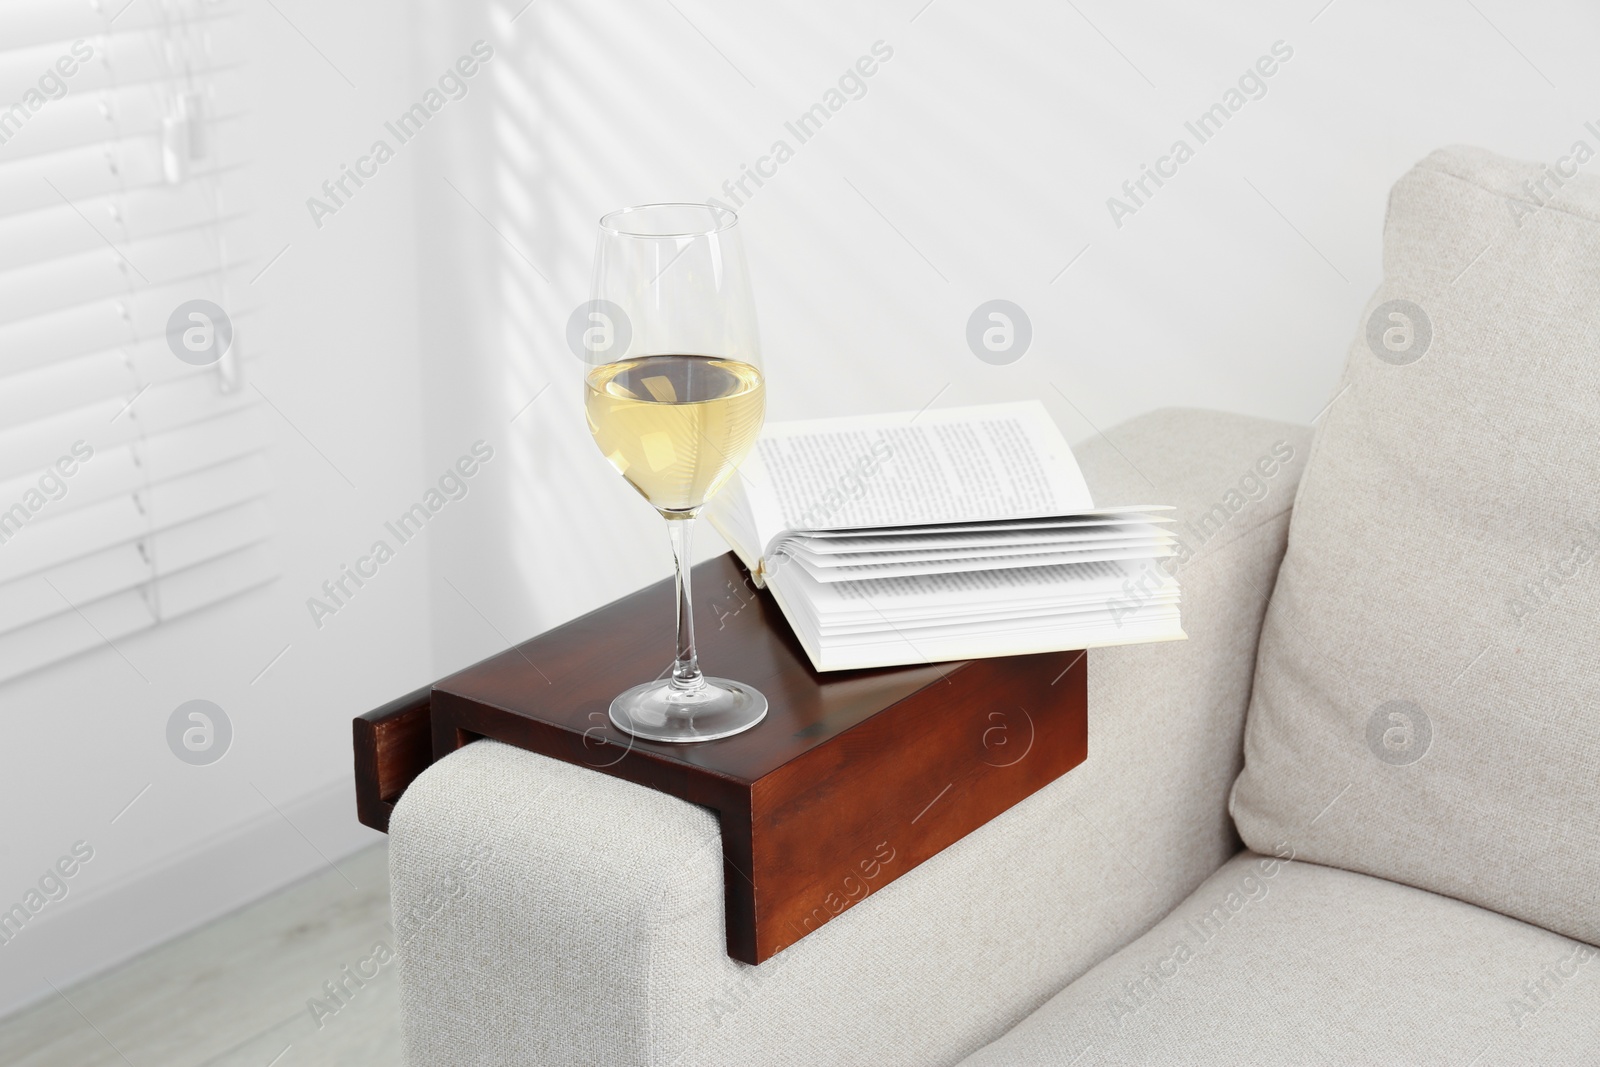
[1427, 696]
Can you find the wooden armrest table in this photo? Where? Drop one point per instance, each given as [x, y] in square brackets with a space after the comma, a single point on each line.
[853, 778]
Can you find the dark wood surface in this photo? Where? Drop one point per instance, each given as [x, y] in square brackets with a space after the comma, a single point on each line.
[853, 779]
[393, 744]
[568, 677]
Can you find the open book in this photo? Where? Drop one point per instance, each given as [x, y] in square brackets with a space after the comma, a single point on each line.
[948, 534]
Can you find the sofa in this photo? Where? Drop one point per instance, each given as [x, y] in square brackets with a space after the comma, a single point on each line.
[1353, 819]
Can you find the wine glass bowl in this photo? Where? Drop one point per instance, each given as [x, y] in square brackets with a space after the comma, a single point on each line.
[675, 399]
[675, 426]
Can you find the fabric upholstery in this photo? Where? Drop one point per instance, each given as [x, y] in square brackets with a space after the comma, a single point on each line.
[1289, 963]
[590, 930]
[1427, 701]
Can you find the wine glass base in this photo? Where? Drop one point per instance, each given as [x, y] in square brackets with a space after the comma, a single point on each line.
[656, 711]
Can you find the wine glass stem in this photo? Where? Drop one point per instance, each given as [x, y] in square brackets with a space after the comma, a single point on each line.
[686, 666]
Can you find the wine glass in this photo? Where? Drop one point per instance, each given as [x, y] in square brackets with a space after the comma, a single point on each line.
[675, 399]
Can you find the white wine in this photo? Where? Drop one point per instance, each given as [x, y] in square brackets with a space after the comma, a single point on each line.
[675, 426]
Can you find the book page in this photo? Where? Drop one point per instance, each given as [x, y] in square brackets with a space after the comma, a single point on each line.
[851, 573]
[1146, 513]
[935, 539]
[996, 461]
[1123, 547]
[914, 596]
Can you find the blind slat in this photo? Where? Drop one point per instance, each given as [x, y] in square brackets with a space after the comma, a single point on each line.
[108, 323]
[92, 118]
[35, 445]
[51, 232]
[106, 274]
[29, 600]
[125, 469]
[124, 59]
[151, 361]
[58, 388]
[123, 614]
[35, 545]
[41, 23]
[95, 170]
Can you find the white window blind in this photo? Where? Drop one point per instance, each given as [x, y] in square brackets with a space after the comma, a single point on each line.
[115, 210]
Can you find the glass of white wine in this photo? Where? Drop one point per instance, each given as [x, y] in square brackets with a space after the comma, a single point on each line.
[675, 400]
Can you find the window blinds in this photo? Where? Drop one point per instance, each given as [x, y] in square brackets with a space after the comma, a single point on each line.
[131, 481]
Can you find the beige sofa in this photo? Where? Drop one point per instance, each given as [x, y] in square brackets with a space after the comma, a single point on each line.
[1355, 819]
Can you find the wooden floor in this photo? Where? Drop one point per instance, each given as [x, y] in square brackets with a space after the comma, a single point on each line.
[234, 993]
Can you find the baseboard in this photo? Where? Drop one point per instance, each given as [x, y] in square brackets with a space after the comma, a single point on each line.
[178, 894]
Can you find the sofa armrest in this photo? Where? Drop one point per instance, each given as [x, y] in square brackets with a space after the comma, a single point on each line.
[547, 914]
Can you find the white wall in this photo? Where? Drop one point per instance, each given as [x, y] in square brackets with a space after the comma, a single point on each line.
[991, 142]
[411, 325]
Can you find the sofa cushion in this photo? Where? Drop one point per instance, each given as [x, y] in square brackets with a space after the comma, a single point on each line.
[1427, 696]
[1283, 962]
